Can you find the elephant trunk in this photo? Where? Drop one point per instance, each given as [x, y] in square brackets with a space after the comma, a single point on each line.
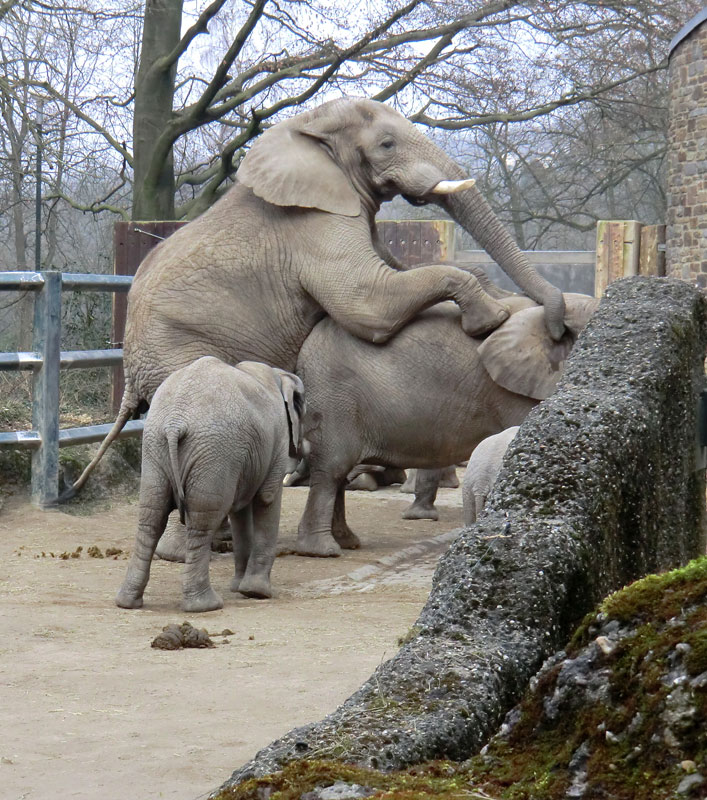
[474, 214]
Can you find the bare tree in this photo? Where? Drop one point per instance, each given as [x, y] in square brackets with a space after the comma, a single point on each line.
[208, 82]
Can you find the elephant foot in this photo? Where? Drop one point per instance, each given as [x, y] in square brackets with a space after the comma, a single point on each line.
[222, 541]
[172, 545]
[421, 512]
[484, 318]
[365, 482]
[208, 600]
[391, 476]
[319, 545]
[347, 539]
[127, 599]
[449, 479]
[408, 486]
[235, 583]
[254, 586]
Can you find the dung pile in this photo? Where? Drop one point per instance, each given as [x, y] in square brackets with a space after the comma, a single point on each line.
[175, 637]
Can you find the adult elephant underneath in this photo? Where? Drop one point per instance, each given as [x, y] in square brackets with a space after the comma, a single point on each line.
[425, 400]
[295, 239]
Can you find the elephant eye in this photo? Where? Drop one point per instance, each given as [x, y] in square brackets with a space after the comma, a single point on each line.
[388, 144]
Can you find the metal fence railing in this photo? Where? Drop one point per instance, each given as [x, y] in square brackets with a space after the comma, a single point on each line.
[45, 362]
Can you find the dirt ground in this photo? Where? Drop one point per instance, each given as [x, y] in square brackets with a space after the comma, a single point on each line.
[89, 710]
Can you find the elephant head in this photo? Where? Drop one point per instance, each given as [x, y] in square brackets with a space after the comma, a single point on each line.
[521, 357]
[348, 156]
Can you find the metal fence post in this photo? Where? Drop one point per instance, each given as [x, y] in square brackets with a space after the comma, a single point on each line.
[45, 391]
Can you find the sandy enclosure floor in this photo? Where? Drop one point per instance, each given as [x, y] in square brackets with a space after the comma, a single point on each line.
[89, 710]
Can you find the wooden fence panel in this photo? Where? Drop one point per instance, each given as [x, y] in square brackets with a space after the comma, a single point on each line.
[652, 258]
[618, 248]
[132, 241]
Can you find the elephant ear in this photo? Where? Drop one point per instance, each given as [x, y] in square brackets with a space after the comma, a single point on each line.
[290, 165]
[520, 355]
[578, 310]
[292, 390]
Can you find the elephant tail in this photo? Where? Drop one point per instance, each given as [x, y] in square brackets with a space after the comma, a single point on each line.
[129, 405]
[174, 434]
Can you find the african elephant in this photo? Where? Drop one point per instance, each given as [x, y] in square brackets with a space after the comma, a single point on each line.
[482, 470]
[294, 239]
[443, 393]
[218, 441]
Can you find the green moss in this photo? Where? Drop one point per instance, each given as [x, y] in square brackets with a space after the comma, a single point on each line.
[621, 730]
[409, 636]
[435, 779]
[696, 658]
[581, 635]
[660, 596]
[633, 759]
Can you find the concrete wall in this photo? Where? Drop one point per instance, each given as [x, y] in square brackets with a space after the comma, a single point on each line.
[569, 270]
[600, 487]
[686, 238]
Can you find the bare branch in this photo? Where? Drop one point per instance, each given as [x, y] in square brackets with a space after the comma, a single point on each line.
[93, 208]
[200, 26]
[569, 99]
[78, 111]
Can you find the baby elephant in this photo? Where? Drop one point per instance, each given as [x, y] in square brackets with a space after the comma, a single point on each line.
[482, 470]
[218, 441]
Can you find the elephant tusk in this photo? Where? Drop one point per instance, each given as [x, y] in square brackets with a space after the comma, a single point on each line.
[451, 187]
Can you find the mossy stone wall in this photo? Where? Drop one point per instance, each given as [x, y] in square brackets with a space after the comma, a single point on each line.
[599, 488]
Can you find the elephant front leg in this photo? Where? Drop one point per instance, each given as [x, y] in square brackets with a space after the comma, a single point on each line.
[198, 595]
[426, 483]
[155, 505]
[373, 301]
[343, 535]
[266, 522]
[314, 534]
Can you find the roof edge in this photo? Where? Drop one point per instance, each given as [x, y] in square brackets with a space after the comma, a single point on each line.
[687, 29]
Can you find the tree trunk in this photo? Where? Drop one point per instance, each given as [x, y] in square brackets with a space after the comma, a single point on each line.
[153, 199]
[18, 139]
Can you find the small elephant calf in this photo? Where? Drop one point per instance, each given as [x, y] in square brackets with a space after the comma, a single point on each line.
[218, 441]
[482, 471]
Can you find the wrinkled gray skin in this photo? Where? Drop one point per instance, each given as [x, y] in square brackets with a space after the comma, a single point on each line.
[424, 400]
[295, 239]
[218, 441]
[482, 470]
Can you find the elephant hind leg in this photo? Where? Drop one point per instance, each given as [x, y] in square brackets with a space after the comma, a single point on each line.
[242, 537]
[314, 534]
[156, 502]
[198, 595]
[426, 483]
[448, 479]
[172, 545]
[343, 535]
[266, 522]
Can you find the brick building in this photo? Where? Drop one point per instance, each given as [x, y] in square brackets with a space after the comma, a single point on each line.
[686, 236]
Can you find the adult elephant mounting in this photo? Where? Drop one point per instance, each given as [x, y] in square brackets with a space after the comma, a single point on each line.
[295, 239]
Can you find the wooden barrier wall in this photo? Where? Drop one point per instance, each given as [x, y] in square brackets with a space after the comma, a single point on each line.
[626, 248]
